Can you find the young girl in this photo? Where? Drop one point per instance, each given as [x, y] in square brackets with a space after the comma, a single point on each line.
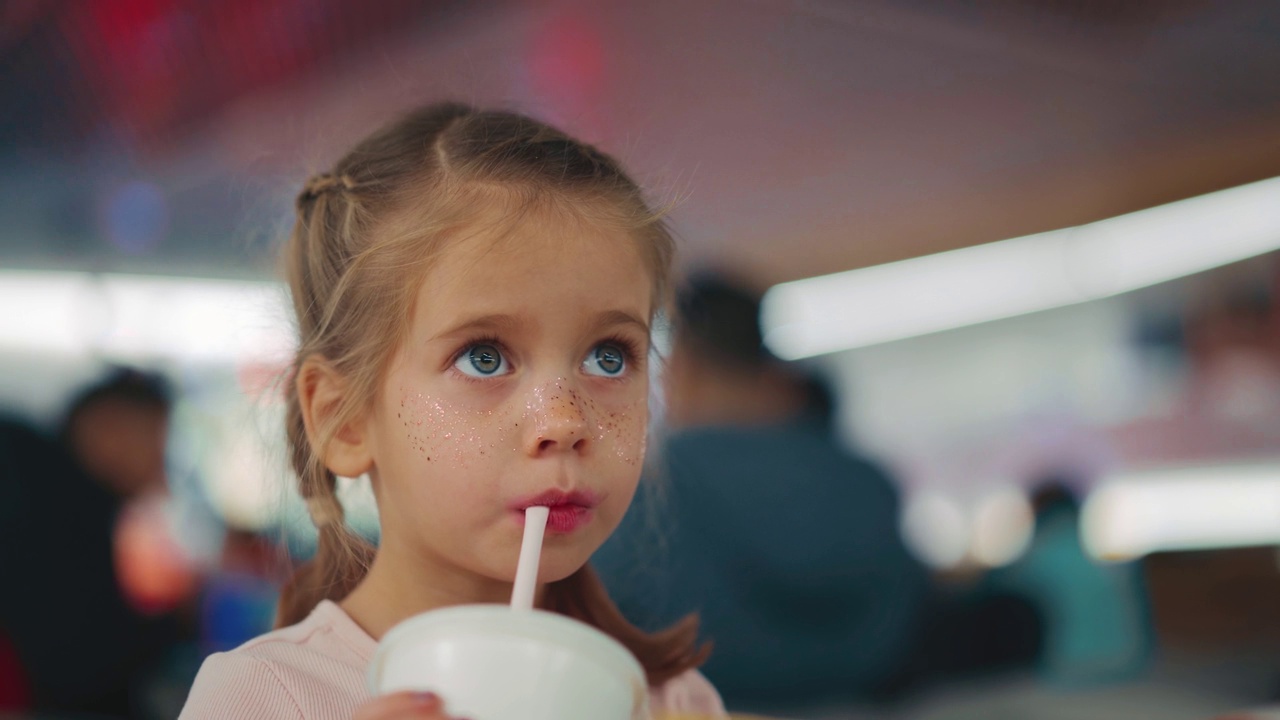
[474, 293]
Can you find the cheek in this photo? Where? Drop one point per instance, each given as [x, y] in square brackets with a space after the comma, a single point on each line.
[622, 434]
[454, 435]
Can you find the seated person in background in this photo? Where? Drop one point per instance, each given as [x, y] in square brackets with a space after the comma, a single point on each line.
[79, 645]
[785, 542]
[117, 429]
[1094, 614]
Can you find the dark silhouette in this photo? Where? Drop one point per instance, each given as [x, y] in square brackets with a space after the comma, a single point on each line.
[82, 648]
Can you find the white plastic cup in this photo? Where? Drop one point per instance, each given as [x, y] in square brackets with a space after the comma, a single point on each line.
[489, 662]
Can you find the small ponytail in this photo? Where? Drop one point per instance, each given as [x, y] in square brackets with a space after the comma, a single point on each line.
[323, 183]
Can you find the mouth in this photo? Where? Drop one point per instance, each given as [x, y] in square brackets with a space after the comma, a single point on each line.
[569, 511]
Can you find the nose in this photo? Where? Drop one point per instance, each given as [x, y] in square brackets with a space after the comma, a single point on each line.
[557, 420]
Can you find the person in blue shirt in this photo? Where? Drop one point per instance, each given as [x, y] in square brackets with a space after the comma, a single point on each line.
[758, 518]
[1096, 624]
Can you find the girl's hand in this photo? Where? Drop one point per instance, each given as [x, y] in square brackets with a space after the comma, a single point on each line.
[403, 706]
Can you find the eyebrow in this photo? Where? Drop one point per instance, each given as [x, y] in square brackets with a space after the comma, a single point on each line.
[492, 322]
[500, 322]
[611, 318]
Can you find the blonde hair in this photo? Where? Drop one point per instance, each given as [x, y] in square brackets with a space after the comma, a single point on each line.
[364, 235]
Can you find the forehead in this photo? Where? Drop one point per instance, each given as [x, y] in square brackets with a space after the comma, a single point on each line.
[532, 263]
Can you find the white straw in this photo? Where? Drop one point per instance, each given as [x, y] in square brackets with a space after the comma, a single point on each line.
[535, 524]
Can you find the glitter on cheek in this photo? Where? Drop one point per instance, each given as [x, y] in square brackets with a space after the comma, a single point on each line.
[624, 434]
[439, 430]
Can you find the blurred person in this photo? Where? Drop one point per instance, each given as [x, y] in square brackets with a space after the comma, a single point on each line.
[80, 646]
[117, 429]
[474, 293]
[785, 542]
[1094, 616]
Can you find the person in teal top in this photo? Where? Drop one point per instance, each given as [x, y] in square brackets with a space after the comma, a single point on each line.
[1095, 619]
[785, 542]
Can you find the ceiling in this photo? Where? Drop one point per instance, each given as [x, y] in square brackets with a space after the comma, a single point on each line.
[796, 137]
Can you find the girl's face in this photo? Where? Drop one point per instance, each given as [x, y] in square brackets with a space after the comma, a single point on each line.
[522, 381]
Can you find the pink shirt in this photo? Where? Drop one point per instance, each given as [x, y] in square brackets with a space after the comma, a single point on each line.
[315, 670]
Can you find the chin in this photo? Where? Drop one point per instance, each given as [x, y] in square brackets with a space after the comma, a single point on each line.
[559, 563]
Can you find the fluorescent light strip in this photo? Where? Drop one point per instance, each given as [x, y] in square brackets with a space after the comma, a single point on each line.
[143, 318]
[1189, 508]
[1014, 277]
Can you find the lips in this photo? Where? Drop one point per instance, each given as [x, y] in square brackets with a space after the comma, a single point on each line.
[568, 510]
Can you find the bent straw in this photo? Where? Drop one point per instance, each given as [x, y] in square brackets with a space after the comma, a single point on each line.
[535, 524]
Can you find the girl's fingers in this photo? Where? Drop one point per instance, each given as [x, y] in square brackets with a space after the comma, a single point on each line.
[403, 706]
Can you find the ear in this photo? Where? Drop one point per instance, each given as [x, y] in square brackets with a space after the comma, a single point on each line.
[321, 391]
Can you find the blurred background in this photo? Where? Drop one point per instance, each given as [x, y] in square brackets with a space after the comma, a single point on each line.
[1028, 248]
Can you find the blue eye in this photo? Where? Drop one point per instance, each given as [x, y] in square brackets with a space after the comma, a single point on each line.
[606, 360]
[482, 361]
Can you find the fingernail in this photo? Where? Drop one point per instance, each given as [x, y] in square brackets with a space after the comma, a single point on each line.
[427, 698]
